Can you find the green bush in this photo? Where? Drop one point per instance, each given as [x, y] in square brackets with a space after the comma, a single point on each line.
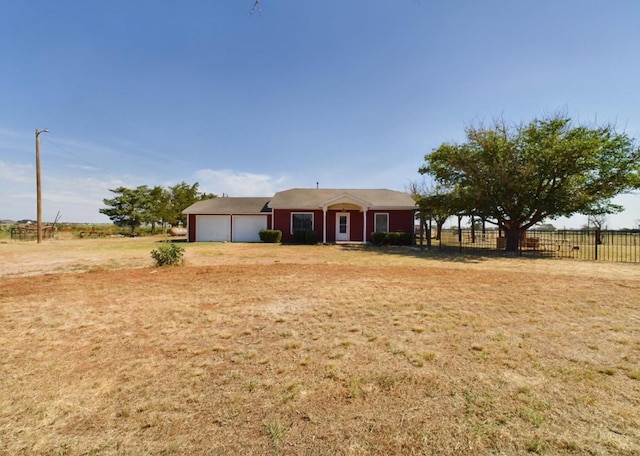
[391, 238]
[305, 237]
[310, 237]
[271, 236]
[168, 254]
[399, 238]
[379, 237]
[299, 236]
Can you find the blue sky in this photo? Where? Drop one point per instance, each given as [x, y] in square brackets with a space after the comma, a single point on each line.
[349, 94]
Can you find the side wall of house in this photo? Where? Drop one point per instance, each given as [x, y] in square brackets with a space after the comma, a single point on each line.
[191, 228]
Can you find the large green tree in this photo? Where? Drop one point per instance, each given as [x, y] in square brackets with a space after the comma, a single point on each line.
[182, 196]
[133, 207]
[128, 207]
[157, 207]
[518, 175]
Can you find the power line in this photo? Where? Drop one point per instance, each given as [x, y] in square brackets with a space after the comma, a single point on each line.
[71, 153]
[86, 162]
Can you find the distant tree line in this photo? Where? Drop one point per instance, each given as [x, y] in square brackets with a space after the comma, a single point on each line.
[154, 206]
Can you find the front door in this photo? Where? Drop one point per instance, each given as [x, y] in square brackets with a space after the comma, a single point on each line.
[342, 226]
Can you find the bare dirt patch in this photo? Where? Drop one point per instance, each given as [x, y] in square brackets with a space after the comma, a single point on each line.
[260, 349]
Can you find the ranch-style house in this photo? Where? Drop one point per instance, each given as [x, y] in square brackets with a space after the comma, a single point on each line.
[336, 215]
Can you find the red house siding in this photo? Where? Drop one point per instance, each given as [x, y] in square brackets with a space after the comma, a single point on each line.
[282, 222]
[191, 228]
[399, 220]
[356, 220]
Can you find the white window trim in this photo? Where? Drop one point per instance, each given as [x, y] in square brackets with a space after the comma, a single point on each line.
[302, 213]
[375, 221]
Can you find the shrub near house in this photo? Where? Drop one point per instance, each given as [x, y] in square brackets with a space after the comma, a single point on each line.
[270, 236]
[393, 238]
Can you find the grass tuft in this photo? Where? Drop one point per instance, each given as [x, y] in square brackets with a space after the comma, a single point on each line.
[276, 431]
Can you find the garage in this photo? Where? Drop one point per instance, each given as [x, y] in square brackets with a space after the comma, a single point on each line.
[213, 228]
[245, 228]
[227, 219]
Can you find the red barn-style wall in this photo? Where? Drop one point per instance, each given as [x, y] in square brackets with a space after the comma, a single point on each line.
[282, 222]
[399, 220]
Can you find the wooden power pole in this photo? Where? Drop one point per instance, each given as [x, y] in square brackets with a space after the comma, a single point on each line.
[39, 185]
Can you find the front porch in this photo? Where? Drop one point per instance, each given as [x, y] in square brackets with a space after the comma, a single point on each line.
[344, 219]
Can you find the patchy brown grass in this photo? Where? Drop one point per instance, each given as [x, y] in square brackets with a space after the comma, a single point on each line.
[265, 349]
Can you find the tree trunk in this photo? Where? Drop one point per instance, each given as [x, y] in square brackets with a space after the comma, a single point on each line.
[473, 229]
[439, 225]
[513, 235]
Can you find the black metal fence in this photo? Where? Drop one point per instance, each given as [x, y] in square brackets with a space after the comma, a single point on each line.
[601, 245]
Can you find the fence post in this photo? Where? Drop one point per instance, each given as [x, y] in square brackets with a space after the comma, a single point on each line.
[460, 232]
[596, 238]
[421, 228]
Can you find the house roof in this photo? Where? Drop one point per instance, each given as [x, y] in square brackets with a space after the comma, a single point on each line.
[230, 205]
[304, 198]
[314, 198]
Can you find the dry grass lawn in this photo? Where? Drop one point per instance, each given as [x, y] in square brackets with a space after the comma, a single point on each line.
[323, 350]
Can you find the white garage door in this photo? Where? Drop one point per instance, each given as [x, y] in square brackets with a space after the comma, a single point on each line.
[213, 228]
[247, 227]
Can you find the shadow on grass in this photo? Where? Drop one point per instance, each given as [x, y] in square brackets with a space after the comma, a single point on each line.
[448, 253]
[451, 254]
[176, 240]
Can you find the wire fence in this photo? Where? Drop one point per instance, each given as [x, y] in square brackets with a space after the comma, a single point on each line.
[601, 245]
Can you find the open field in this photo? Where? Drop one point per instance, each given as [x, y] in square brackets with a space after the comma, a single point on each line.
[313, 350]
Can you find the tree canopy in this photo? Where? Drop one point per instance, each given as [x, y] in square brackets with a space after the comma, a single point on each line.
[132, 207]
[184, 195]
[436, 203]
[519, 175]
[127, 208]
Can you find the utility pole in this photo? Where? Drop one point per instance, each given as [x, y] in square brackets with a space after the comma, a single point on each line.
[39, 185]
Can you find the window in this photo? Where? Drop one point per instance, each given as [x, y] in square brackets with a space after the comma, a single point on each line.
[343, 223]
[301, 221]
[382, 223]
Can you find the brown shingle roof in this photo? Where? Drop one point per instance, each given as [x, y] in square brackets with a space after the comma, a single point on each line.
[313, 198]
[302, 198]
[229, 205]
